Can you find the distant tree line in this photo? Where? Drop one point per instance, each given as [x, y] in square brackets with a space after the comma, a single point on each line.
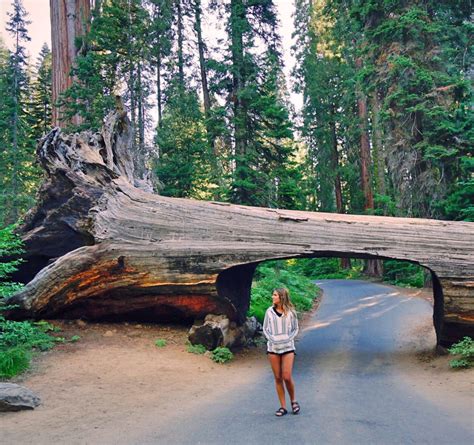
[386, 125]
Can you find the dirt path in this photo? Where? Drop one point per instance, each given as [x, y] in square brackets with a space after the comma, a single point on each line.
[115, 379]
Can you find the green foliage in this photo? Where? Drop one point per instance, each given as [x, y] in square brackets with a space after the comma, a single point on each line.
[45, 326]
[272, 274]
[18, 338]
[10, 245]
[160, 342]
[184, 164]
[41, 95]
[24, 334]
[403, 273]
[464, 349]
[222, 355]
[326, 268]
[19, 174]
[75, 338]
[196, 349]
[14, 361]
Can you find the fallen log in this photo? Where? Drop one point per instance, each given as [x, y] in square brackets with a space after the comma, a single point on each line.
[101, 245]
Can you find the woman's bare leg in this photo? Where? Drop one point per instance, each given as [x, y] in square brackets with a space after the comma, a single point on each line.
[275, 361]
[287, 369]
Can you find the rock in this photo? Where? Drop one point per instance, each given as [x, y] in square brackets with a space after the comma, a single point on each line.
[108, 334]
[15, 397]
[81, 323]
[217, 330]
[211, 333]
[251, 327]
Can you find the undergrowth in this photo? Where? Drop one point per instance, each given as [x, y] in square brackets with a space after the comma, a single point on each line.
[221, 355]
[272, 274]
[196, 349]
[19, 340]
[464, 349]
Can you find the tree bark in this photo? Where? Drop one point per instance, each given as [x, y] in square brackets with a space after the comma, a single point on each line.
[158, 88]
[372, 267]
[365, 163]
[217, 170]
[99, 247]
[202, 60]
[237, 17]
[378, 148]
[180, 44]
[69, 21]
[345, 262]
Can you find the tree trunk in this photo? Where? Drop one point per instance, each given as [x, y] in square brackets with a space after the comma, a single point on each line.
[158, 87]
[365, 163]
[377, 142]
[69, 21]
[217, 170]
[180, 44]
[345, 262]
[237, 17]
[202, 60]
[335, 167]
[372, 267]
[98, 247]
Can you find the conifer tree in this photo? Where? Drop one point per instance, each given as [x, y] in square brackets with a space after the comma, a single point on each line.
[41, 94]
[19, 174]
[184, 159]
[261, 128]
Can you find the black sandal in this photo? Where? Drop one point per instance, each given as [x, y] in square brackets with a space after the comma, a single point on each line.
[281, 412]
[295, 406]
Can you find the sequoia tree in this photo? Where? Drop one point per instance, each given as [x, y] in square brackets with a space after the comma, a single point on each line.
[69, 22]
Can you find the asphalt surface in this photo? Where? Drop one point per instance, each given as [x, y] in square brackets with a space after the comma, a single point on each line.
[345, 382]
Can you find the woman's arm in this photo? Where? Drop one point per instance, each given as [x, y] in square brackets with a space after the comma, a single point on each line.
[294, 328]
[267, 329]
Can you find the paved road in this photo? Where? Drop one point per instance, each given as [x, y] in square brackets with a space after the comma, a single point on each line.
[346, 384]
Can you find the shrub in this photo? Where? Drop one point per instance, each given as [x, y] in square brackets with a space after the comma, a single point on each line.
[402, 273]
[222, 355]
[272, 274]
[465, 349]
[24, 334]
[46, 326]
[13, 361]
[325, 268]
[160, 342]
[196, 349]
[75, 338]
[17, 338]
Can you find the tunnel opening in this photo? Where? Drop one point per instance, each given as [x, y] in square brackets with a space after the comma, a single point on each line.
[240, 283]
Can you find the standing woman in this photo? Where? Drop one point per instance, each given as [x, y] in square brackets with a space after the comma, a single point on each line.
[280, 327]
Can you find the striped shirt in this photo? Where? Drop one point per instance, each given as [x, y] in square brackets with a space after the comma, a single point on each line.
[280, 330]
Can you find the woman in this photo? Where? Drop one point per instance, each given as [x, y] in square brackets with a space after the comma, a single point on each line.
[280, 327]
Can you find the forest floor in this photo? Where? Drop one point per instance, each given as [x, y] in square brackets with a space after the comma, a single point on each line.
[115, 377]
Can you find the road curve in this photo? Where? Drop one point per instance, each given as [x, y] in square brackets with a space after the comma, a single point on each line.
[346, 380]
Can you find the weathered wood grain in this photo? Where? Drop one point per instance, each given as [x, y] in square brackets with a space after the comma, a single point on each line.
[99, 246]
[69, 21]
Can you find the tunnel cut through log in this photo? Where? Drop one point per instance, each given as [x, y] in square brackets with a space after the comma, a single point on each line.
[235, 283]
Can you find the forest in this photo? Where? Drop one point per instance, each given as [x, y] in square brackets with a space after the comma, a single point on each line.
[385, 126]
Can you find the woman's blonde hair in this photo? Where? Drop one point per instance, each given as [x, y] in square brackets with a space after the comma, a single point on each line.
[286, 303]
